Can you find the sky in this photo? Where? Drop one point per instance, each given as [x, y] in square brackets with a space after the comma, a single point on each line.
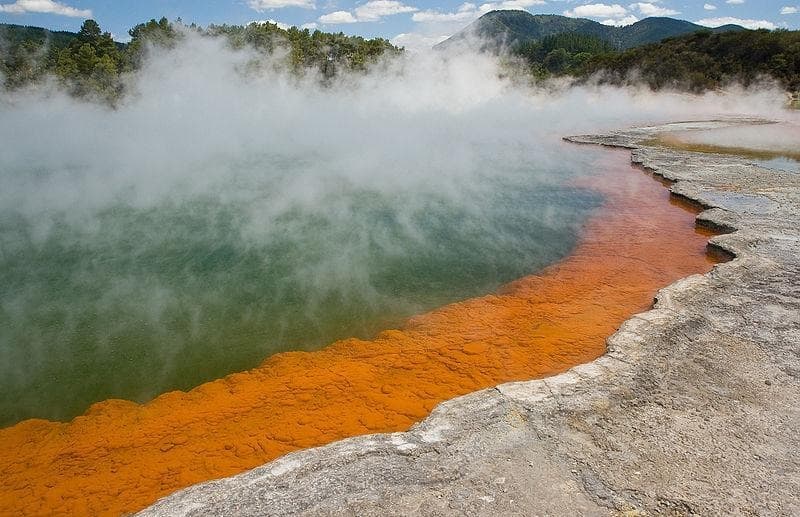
[415, 24]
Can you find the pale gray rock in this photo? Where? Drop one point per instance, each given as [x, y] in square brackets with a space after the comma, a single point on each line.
[693, 411]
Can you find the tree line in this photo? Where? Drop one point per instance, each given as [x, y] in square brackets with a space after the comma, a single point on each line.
[696, 62]
[91, 63]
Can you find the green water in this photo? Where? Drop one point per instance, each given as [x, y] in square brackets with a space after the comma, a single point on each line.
[129, 300]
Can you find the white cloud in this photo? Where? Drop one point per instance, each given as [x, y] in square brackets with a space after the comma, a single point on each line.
[734, 2]
[620, 22]
[374, 10]
[615, 14]
[727, 20]
[465, 12]
[337, 17]
[597, 11]
[790, 10]
[650, 9]
[310, 26]
[415, 41]
[268, 5]
[511, 4]
[710, 7]
[44, 6]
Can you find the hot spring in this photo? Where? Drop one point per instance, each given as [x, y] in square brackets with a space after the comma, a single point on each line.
[218, 216]
[278, 252]
[193, 232]
[225, 213]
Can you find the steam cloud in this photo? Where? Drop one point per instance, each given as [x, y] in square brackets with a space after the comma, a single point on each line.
[220, 164]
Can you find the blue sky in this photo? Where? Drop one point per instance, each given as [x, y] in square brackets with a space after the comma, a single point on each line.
[412, 23]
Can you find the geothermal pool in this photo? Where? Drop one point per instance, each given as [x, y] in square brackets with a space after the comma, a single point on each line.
[629, 240]
[305, 263]
[133, 300]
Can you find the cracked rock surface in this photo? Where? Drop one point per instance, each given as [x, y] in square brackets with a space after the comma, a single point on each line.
[693, 410]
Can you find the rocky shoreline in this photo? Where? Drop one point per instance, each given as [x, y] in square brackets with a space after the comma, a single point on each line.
[693, 410]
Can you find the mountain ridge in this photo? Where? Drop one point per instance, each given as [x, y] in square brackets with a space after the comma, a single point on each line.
[507, 28]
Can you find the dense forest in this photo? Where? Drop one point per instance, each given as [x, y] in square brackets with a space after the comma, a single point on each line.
[562, 54]
[696, 62]
[90, 63]
[704, 60]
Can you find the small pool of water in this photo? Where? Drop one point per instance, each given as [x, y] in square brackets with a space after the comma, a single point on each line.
[780, 163]
[777, 145]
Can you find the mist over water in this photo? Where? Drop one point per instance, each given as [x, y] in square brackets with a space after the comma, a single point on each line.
[226, 211]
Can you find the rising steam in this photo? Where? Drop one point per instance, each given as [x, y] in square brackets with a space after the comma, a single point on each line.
[224, 203]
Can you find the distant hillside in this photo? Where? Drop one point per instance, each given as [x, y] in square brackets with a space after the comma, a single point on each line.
[704, 61]
[14, 35]
[511, 28]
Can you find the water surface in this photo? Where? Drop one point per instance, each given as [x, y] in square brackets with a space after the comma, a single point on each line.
[120, 456]
[129, 298]
[772, 145]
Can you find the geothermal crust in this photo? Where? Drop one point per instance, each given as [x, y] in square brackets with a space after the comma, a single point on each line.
[693, 410]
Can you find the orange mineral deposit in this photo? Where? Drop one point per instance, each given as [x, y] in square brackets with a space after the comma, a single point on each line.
[120, 457]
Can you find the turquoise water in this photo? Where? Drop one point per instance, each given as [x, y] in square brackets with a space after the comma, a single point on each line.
[129, 299]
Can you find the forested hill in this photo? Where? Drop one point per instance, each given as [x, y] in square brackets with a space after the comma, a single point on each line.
[704, 61]
[15, 35]
[696, 62]
[89, 62]
[509, 28]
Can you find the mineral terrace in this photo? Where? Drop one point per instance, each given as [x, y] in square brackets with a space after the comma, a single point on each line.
[693, 410]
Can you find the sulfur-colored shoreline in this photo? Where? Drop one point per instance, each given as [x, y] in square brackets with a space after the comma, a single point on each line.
[692, 410]
[120, 456]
